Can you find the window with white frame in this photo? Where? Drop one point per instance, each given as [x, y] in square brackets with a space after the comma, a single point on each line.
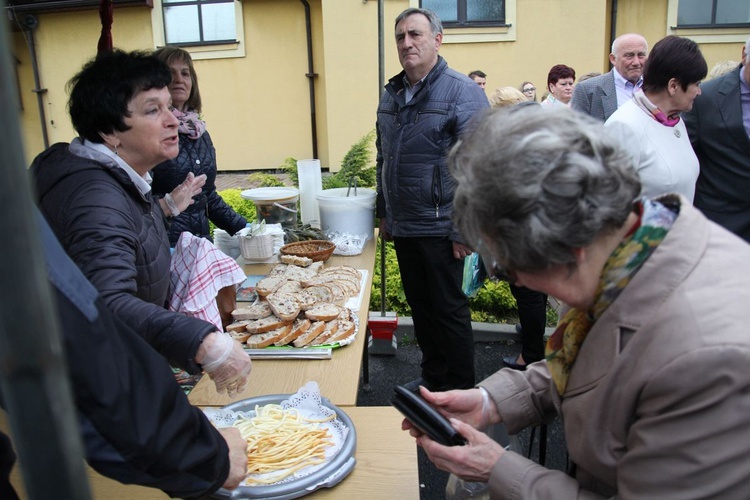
[713, 13]
[199, 22]
[467, 13]
[207, 29]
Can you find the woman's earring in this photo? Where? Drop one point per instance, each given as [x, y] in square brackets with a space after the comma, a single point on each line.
[116, 153]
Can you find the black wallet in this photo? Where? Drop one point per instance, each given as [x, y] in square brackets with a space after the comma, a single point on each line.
[426, 418]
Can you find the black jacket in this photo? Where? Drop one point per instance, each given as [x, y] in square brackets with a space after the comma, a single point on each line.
[137, 425]
[117, 237]
[197, 156]
[415, 189]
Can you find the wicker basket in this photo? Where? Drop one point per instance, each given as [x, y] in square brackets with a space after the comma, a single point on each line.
[317, 250]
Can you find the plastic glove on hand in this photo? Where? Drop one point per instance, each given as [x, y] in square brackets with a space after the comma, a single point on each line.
[184, 193]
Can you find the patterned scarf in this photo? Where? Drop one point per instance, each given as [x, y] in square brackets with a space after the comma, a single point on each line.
[654, 221]
[643, 102]
[190, 123]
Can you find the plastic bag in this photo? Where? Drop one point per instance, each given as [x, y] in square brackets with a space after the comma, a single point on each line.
[474, 274]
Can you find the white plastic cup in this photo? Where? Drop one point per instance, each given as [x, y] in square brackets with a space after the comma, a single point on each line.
[310, 185]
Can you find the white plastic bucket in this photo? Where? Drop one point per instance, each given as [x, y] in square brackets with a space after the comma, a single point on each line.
[275, 205]
[347, 214]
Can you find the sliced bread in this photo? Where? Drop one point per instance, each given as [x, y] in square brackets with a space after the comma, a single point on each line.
[291, 286]
[299, 327]
[261, 340]
[331, 329]
[255, 311]
[284, 305]
[269, 284]
[314, 294]
[309, 336]
[266, 324]
[297, 260]
[237, 326]
[323, 311]
[345, 329]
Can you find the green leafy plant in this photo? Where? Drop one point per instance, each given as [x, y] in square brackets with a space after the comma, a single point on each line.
[234, 199]
[357, 163]
[262, 179]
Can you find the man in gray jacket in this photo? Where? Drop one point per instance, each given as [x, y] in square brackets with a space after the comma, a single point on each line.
[420, 117]
[719, 129]
[600, 96]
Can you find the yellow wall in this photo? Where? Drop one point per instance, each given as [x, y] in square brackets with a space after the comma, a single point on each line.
[258, 107]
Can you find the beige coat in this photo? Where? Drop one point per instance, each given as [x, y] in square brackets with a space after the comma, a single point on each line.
[658, 401]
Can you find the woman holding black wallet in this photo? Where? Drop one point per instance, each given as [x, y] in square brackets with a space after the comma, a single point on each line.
[655, 292]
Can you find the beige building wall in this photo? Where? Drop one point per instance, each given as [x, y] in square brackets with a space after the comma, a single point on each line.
[258, 106]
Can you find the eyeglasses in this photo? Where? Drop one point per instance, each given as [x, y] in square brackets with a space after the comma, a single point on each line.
[529, 89]
[494, 270]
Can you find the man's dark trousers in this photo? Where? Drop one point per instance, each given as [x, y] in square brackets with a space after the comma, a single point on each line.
[431, 278]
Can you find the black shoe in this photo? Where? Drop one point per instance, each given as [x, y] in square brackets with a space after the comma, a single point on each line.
[519, 328]
[510, 362]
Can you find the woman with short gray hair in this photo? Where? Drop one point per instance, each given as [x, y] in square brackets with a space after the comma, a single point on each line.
[656, 292]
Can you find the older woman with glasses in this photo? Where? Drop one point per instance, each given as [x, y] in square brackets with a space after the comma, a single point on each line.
[649, 367]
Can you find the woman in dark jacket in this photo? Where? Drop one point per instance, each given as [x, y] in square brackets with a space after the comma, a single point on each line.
[96, 196]
[197, 155]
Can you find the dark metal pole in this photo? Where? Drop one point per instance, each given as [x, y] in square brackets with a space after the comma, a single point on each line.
[33, 377]
[29, 24]
[311, 78]
[381, 83]
[612, 26]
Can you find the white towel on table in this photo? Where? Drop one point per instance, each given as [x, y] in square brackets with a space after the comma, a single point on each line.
[198, 271]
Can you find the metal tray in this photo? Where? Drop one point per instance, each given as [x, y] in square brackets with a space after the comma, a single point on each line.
[326, 477]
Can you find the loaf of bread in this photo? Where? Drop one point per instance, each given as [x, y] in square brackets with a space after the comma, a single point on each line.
[261, 340]
[309, 336]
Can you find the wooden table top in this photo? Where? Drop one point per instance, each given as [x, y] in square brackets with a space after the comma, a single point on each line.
[386, 464]
[338, 377]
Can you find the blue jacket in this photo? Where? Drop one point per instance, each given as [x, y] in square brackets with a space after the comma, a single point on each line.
[197, 156]
[415, 189]
[118, 238]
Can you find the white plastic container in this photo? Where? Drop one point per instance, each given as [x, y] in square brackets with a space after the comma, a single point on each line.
[275, 205]
[347, 214]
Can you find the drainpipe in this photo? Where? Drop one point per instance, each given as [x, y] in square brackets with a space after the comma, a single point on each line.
[311, 79]
[28, 25]
[612, 27]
